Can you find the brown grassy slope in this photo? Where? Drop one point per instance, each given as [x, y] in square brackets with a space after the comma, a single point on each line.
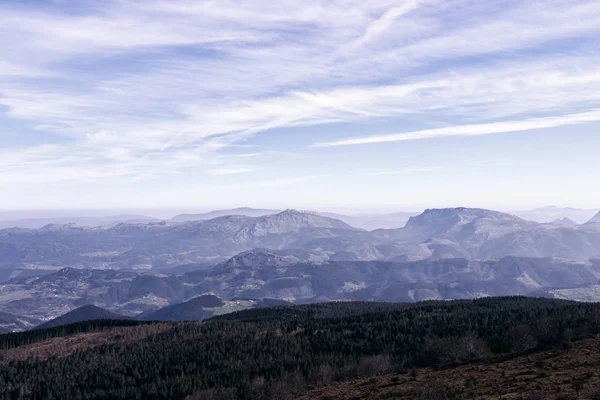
[553, 374]
[66, 345]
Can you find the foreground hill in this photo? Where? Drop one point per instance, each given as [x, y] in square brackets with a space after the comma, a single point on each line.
[556, 374]
[281, 352]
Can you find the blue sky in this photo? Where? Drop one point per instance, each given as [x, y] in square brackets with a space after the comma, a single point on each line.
[331, 105]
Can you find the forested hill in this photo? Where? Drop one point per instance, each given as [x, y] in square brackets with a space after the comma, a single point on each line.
[281, 352]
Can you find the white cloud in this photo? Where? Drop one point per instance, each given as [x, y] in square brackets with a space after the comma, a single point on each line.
[229, 171]
[471, 130]
[383, 23]
[140, 90]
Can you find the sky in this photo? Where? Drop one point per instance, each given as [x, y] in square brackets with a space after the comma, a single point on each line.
[317, 104]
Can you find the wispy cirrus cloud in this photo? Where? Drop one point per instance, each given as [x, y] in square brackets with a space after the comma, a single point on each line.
[229, 171]
[143, 90]
[472, 130]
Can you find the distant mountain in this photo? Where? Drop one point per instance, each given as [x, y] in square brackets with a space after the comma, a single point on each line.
[363, 221]
[36, 223]
[252, 277]
[84, 313]
[564, 222]
[395, 281]
[293, 221]
[132, 268]
[436, 233]
[486, 234]
[262, 258]
[123, 292]
[196, 309]
[452, 232]
[245, 211]
[595, 219]
[552, 213]
[163, 244]
[474, 224]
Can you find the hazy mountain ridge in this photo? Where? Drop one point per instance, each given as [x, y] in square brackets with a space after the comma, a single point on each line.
[83, 313]
[257, 275]
[363, 221]
[36, 223]
[161, 244]
[436, 233]
[293, 256]
[564, 222]
[483, 234]
[552, 213]
[244, 211]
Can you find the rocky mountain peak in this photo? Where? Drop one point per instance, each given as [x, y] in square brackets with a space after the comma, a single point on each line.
[475, 225]
[458, 215]
[292, 221]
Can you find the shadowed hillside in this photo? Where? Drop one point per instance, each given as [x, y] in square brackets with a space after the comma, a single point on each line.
[282, 352]
[557, 374]
[83, 313]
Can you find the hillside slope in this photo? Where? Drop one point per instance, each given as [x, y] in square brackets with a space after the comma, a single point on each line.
[559, 373]
[274, 353]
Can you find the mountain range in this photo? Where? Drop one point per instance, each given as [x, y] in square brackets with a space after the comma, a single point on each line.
[364, 221]
[259, 278]
[135, 269]
[433, 234]
[552, 213]
[36, 223]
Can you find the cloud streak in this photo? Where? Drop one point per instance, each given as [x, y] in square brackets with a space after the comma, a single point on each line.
[150, 91]
[471, 130]
[229, 171]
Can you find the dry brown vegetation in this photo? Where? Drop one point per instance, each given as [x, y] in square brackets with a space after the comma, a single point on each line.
[557, 374]
[67, 345]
